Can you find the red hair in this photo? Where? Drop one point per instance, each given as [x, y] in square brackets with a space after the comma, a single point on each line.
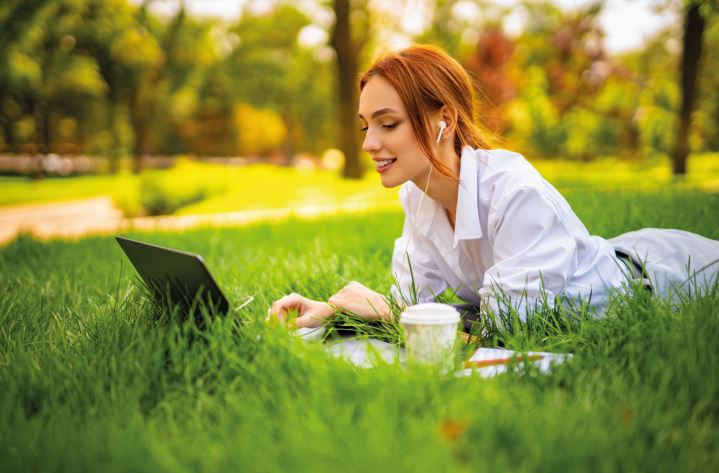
[426, 79]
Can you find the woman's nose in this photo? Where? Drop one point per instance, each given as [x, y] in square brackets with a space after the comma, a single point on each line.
[370, 143]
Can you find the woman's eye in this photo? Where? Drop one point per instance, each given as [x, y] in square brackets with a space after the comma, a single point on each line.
[388, 126]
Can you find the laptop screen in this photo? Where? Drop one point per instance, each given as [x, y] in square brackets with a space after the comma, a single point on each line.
[182, 276]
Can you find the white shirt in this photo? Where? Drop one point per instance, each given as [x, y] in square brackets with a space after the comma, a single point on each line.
[514, 234]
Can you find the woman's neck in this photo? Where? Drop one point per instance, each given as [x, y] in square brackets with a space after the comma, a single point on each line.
[441, 188]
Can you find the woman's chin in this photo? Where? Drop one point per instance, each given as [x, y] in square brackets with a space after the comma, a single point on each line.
[389, 182]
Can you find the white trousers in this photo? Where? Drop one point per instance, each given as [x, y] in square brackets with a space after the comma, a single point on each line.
[674, 260]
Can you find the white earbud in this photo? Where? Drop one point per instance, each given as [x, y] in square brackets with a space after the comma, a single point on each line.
[442, 126]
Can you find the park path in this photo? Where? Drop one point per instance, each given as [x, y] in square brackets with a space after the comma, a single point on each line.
[59, 219]
[97, 215]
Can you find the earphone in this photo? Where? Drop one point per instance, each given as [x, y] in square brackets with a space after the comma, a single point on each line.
[442, 126]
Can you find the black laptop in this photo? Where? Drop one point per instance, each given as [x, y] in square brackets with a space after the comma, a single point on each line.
[181, 276]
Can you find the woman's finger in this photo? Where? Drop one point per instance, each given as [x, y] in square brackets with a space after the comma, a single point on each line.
[282, 306]
[279, 308]
[308, 320]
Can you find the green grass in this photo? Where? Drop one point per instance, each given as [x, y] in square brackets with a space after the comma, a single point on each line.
[23, 190]
[91, 381]
[263, 187]
[703, 172]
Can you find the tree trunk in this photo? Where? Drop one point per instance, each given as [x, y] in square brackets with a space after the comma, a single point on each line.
[145, 95]
[42, 137]
[6, 123]
[11, 143]
[289, 145]
[44, 124]
[138, 162]
[691, 53]
[113, 154]
[139, 123]
[347, 59]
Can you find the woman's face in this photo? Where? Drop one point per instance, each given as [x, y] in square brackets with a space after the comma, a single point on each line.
[389, 138]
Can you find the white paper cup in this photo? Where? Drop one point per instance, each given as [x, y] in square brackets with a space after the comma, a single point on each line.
[430, 334]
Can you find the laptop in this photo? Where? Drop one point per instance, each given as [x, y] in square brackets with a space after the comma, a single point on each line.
[184, 278]
[181, 276]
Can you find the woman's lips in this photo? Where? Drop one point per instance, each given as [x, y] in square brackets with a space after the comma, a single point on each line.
[384, 164]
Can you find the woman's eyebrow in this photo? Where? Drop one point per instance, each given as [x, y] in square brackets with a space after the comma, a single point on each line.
[382, 111]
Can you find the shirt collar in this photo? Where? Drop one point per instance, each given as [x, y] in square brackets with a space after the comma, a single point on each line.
[425, 212]
[466, 224]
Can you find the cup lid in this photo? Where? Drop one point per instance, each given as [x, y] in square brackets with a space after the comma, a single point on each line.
[430, 313]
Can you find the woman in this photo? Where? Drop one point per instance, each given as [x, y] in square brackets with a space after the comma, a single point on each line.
[492, 228]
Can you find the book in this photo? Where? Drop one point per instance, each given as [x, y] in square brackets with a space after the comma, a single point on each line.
[484, 362]
[488, 362]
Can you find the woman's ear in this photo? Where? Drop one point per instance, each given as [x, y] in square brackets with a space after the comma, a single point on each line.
[449, 117]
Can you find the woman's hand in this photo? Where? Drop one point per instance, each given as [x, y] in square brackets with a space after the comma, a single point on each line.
[357, 299]
[311, 313]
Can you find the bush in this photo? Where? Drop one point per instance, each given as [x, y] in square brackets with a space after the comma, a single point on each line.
[164, 192]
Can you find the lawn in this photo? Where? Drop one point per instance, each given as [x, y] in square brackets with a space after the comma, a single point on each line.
[16, 190]
[93, 379]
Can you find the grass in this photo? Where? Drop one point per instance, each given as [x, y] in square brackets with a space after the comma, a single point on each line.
[91, 381]
[195, 188]
[23, 190]
[703, 172]
[257, 187]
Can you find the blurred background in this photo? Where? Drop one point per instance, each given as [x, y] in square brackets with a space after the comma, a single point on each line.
[209, 89]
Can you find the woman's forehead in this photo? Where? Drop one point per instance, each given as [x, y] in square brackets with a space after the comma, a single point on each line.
[378, 95]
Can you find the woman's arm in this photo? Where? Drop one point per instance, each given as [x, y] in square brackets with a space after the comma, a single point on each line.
[412, 265]
[535, 254]
[413, 269]
[354, 298]
[358, 299]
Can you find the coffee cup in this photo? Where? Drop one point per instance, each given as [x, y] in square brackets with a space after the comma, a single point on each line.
[430, 334]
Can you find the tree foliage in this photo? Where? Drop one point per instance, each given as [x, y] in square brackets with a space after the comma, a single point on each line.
[110, 77]
[554, 90]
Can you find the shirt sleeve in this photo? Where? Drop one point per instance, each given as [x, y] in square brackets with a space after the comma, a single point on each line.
[413, 268]
[534, 253]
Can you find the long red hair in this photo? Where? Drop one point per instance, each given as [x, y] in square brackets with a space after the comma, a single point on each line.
[427, 78]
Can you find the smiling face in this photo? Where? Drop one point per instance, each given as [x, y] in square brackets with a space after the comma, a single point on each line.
[389, 137]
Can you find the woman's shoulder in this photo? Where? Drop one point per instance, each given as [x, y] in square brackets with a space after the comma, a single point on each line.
[506, 169]
[501, 160]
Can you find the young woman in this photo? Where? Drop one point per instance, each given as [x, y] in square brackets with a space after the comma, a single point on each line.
[484, 222]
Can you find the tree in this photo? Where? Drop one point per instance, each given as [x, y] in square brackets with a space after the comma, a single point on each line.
[46, 76]
[107, 42]
[271, 71]
[17, 70]
[446, 29]
[348, 43]
[693, 33]
[144, 94]
[490, 65]
[708, 106]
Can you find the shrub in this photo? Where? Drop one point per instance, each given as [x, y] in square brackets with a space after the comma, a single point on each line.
[164, 192]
